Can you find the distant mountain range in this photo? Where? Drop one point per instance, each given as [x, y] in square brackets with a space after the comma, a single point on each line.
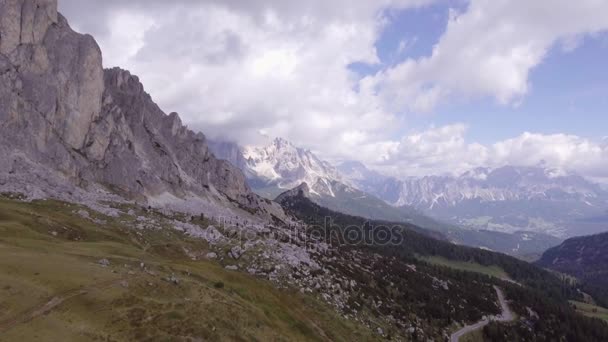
[505, 199]
[354, 189]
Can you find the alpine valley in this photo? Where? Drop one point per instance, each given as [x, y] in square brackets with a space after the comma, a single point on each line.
[515, 210]
[119, 223]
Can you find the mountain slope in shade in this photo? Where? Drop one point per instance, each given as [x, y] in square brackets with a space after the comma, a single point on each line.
[585, 258]
[348, 200]
[538, 314]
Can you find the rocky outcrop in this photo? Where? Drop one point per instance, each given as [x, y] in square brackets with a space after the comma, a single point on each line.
[62, 113]
[301, 190]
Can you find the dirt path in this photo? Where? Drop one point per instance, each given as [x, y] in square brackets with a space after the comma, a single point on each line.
[51, 304]
[505, 316]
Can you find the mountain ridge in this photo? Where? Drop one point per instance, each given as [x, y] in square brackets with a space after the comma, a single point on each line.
[504, 199]
[70, 122]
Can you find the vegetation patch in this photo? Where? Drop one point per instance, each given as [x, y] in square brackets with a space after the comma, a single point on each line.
[591, 310]
[492, 271]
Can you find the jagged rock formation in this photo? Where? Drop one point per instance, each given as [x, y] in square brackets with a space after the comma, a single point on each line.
[137, 147]
[62, 113]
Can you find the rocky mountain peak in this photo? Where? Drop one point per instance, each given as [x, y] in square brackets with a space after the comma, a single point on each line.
[279, 165]
[66, 119]
[281, 143]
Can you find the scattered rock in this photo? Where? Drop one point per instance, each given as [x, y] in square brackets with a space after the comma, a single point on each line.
[173, 279]
[232, 267]
[236, 252]
[211, 255]
[104, 262]
[84, 214]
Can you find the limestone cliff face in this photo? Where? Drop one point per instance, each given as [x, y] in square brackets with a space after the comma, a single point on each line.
[55, 72]
[60, 110]
[137, 147]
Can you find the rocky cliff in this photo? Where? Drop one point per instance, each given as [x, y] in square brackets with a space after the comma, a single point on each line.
[63, 117]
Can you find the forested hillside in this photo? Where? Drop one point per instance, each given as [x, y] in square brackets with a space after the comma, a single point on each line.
[539, 297]
[585, 258]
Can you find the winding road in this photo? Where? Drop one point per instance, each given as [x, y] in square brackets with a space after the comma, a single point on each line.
[505, 316]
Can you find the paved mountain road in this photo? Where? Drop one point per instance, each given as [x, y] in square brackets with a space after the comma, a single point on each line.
[505, 316]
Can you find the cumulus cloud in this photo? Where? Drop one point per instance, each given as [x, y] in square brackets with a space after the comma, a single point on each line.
[489, 50]
[252, 69]
[235, 68]
[568, 152]
[445, 150]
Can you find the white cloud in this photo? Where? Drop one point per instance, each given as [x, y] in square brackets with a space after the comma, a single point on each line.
[568, 152]
[489, 50]
[250, 69]
[438, 150]
[444, 150]
[233, 68]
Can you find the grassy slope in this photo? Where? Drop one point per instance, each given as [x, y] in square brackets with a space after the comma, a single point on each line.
[591, 310]
[492, 271]
[47, 251]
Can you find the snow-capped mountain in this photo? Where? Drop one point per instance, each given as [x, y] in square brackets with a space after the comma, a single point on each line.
[507, 183]
[279, 166]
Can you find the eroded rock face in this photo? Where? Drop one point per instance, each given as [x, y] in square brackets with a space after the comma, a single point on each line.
[139, 148]
[59, 109]
[77, 66]
[25, 22]
[56, 77]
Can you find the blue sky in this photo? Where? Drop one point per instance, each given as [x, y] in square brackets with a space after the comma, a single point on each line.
[569, 89]
[569, 95]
